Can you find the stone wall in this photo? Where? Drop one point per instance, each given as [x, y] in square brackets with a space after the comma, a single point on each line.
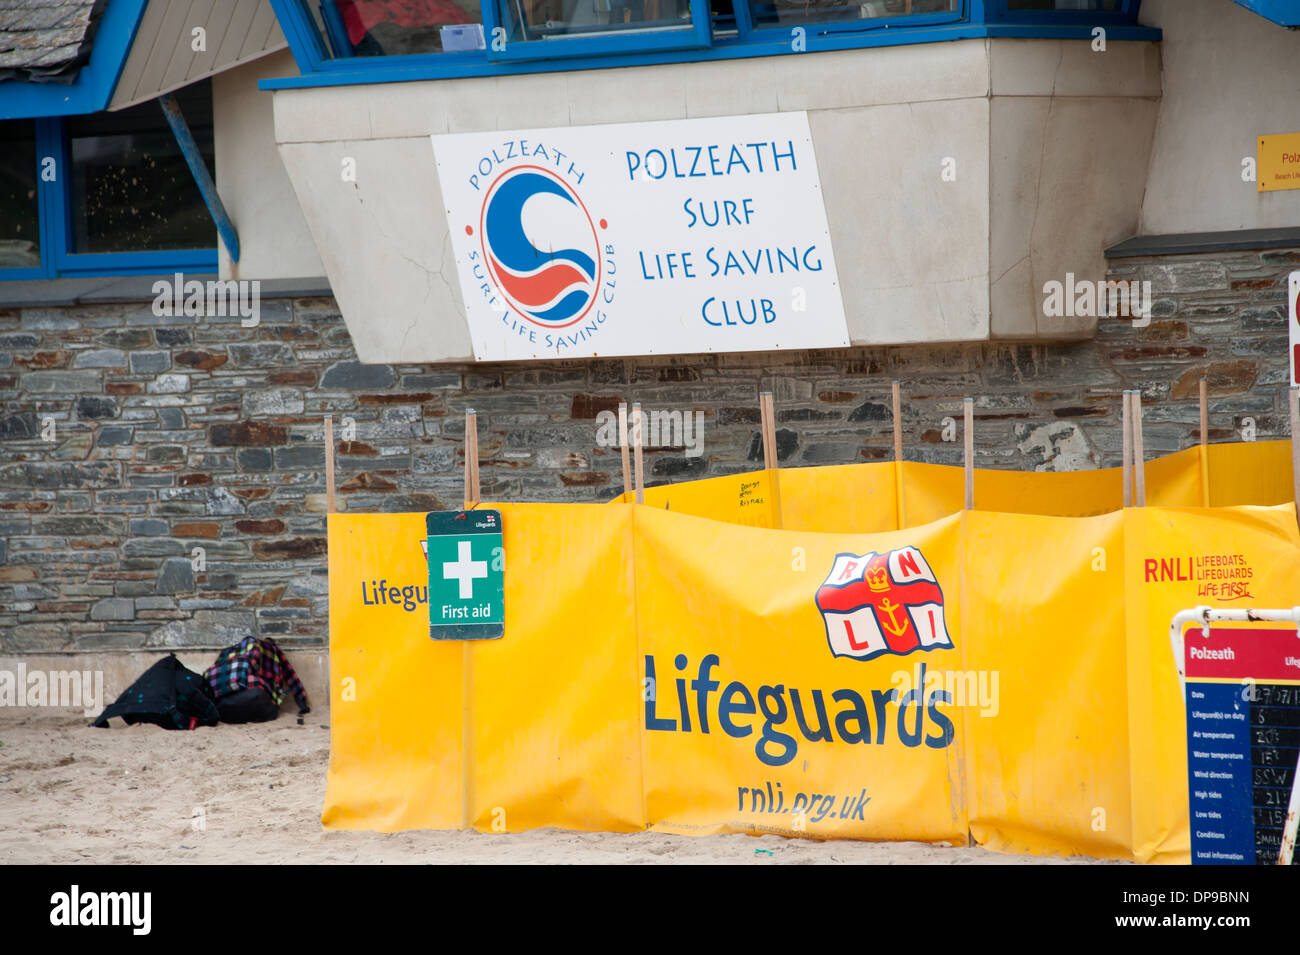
[175, 433]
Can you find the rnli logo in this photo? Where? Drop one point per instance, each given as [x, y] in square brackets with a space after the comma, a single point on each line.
[874, 604]
[541, 246]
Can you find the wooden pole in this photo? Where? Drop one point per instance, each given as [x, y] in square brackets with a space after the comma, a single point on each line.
[329, 464]
[471, 457]
[767, 416]
[1139, 458]
[898, 453]
[767, 410]
[968, 410]
[1205, 446]
[636, 450]
[898, 421]
[1128, 447]
[622, 443]
[1293, 400]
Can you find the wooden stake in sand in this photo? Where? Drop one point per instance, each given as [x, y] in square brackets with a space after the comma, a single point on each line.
[1127, 426]
[329, 464]
[1293, 401]
[968, 410]
[767, 413]
[1205, 447]
[622, 443]
[898, 454]
[768, 418]
[1139, 458]
[471, 457]
[636, 452]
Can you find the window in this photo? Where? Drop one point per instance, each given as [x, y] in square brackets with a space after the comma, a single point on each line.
[360, 41]
[20, 218]
[105, 193]
[1075, 5]
[549, 29]
[797, 12]
[401, 27]
[131, 188]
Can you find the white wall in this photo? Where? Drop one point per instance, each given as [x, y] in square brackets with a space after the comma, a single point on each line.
[913, 252]
[1229, 77]
[274, 241]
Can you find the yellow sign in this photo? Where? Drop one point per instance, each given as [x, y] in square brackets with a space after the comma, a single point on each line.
[1279, 162]
[1003, 676]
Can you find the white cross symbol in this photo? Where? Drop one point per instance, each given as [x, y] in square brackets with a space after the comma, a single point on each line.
[464, 570]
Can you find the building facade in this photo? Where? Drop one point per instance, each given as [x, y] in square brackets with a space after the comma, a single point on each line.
[980, 164]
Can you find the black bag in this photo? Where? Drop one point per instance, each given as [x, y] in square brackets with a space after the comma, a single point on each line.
[252, 704]
[167, 695]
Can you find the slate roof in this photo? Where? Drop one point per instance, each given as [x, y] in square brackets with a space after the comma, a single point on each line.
[46, 40]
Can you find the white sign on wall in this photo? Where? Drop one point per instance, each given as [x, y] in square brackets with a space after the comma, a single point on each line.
[678, 237]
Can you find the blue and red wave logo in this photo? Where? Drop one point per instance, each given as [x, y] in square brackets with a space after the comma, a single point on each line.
[547, 268]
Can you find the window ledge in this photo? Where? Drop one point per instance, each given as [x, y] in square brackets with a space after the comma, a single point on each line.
[1194, 243]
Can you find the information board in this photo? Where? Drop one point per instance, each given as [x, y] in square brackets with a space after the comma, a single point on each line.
[466, 575]
[1242, 687]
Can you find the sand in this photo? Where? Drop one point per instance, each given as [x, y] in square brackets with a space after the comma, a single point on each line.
[72, 794]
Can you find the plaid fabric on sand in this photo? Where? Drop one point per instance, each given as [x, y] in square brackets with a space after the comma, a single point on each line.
[255, 662]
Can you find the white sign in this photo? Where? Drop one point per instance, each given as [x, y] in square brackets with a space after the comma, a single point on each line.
[679, 237]
[1293, 323]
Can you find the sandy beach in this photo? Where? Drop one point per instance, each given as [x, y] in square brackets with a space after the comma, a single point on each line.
[253, 793]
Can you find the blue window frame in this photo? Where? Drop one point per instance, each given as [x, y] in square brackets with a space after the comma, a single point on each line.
[524, 40]
[327, 54]
[111, 197]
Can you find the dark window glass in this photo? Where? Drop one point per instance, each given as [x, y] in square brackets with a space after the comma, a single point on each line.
[1076, 5]
[723, 17]
[794, 12]
[20, 232]
[131, 188]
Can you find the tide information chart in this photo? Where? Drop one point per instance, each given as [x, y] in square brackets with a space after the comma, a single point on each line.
[1243, 738]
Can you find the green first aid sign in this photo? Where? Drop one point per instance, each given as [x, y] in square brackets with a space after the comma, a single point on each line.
[466, 575]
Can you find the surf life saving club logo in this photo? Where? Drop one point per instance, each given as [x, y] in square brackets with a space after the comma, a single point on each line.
[539, 261]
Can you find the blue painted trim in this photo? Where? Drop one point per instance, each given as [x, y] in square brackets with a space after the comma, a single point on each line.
[49, 195]
[335, 29]
[441, 66]
[304, 41]
[138, 263]
[1282, 12]
[58, 224]
[199, 169]
[744, 22]
[93, 87]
